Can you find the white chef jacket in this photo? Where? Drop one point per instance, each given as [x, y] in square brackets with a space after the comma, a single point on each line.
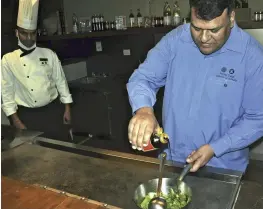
[33, 80]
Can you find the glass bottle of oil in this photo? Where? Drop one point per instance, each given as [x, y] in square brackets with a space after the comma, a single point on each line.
[158, 140]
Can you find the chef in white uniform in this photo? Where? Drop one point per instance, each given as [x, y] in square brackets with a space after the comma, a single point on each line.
[32, 79]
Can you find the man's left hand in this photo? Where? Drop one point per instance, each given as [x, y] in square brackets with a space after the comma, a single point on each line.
[67, 117]
[200, 157]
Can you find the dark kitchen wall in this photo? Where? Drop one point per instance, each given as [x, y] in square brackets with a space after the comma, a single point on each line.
[111, 59]
[8, 39]
[8, 24]
[9, 12]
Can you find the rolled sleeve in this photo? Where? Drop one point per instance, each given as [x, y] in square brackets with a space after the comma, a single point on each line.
[66, 100]
[9, 109]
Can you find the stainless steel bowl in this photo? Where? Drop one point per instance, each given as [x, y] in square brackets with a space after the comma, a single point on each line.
[167, 183]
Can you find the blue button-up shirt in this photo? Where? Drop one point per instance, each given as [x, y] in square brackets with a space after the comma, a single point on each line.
[214, 99]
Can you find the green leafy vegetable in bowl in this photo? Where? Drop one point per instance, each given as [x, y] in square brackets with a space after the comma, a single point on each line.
[175, 200]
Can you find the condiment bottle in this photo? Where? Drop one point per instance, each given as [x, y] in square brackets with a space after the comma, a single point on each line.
[158, 140]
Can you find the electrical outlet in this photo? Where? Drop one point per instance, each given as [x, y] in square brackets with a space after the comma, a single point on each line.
[98, 46]
[126, 52]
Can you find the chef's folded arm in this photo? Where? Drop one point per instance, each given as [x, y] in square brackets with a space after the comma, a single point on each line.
[61, 81]
[9, 105]
[248, 128]
[151, 75]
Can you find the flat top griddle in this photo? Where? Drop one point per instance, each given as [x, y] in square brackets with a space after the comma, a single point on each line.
[106, 177]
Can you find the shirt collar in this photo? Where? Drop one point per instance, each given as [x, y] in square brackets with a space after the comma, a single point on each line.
[25, 52]
[186, 34]
[234, 42]
[22, 52]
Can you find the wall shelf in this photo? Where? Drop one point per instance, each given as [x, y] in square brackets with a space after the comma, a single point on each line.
[250, 25]
[129, 31]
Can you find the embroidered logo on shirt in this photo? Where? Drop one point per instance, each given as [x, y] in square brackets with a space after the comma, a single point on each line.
[231, 71]
[227, 74]
[223, 69]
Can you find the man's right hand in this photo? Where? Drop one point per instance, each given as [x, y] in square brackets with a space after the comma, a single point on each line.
[141, 127]
[18, 124]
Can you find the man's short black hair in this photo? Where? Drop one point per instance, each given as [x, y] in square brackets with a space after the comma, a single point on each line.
[211, 9]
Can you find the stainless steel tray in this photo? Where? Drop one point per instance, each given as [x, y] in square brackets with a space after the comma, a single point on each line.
[12, 137]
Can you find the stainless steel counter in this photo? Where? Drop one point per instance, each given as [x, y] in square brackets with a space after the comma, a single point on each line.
[109, 176]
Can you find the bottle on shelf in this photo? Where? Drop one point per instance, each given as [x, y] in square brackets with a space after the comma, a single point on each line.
[161, 21]
[139, 19]
[112, 25]
[167, 14]
[107, 25]
[75, 23]
[93, 23]
[153, 21]
[176, 14]
[132, 19]
[98, 22]
[102, 23]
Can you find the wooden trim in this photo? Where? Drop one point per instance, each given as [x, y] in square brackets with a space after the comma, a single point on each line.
[19, 195]
[86, 199]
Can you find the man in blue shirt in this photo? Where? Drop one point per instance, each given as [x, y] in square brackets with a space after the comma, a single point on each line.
[213, 102]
